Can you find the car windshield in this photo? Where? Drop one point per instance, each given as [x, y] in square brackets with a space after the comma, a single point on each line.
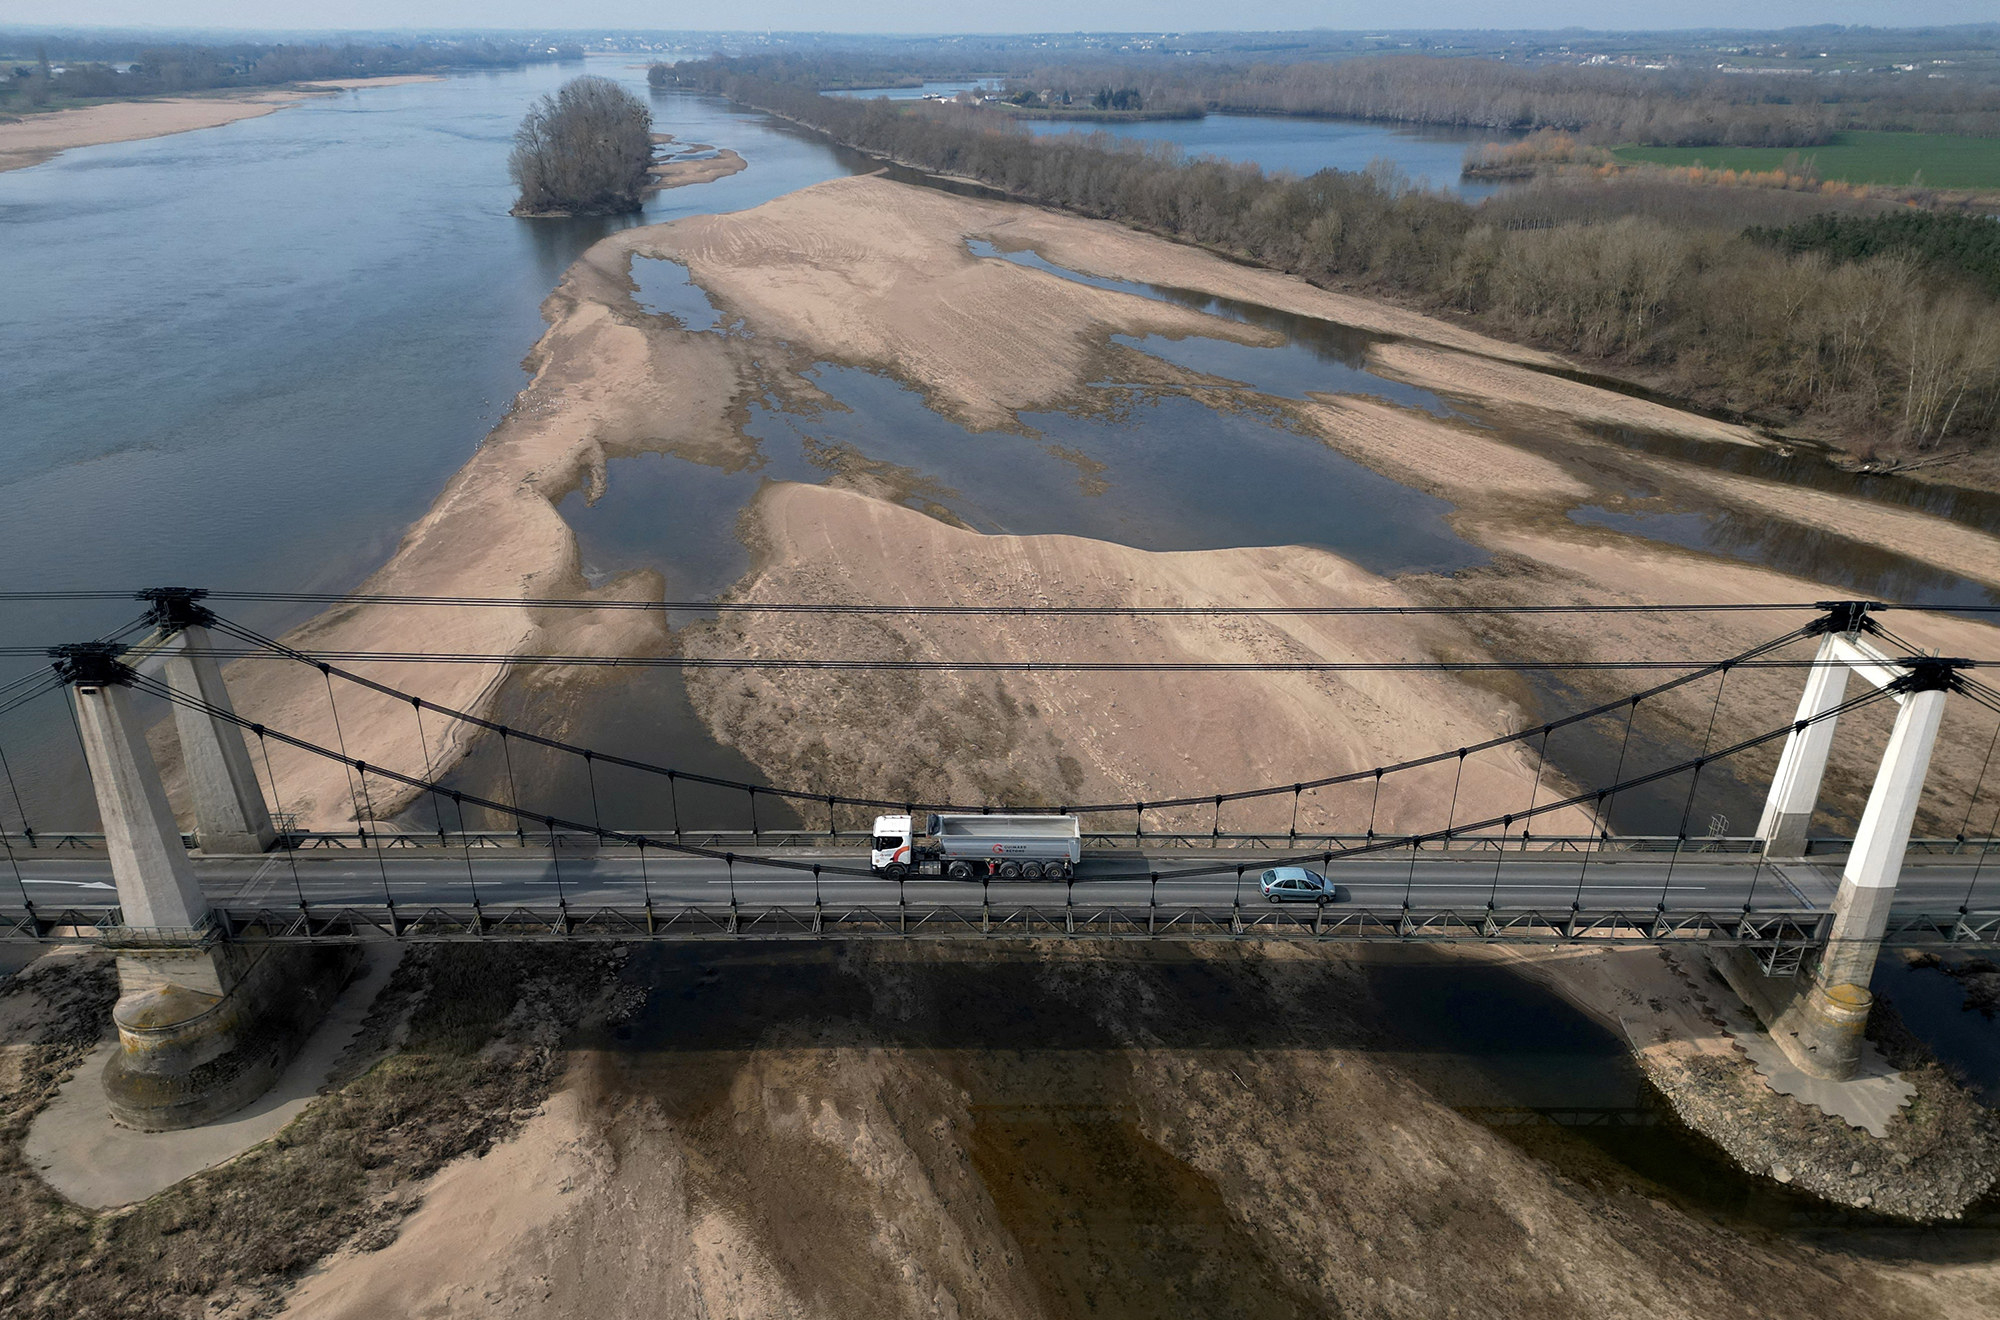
[1270, 876]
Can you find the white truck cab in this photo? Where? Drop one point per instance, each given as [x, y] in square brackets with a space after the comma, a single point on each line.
[891, 846]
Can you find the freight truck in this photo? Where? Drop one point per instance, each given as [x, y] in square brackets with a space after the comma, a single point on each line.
[967, 847]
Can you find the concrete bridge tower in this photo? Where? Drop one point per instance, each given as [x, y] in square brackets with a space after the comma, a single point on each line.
[1820, 1025]
[204, 1025]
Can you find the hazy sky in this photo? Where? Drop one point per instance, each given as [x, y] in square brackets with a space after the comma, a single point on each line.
[990, 15]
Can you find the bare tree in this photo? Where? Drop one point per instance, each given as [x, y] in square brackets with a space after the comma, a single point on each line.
[584, 151]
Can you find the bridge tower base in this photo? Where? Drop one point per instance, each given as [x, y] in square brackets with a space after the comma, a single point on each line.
[204, 1026]
[202, 1032]
[1820, 1025]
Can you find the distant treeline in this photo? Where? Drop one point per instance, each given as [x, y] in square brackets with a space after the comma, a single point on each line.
[1604, 104]
[1966, 245]
[1659, 107]
[1877, 349]
[74, 70]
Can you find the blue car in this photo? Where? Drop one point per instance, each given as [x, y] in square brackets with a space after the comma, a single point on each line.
[1295, 884]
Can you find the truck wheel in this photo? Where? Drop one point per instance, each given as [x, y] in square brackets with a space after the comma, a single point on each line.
[1031, 870]
[959, 870]
[897, 870]
[1010, 870]
[1057, 870]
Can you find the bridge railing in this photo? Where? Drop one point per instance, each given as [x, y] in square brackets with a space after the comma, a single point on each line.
[1782, 939]
[349, 921]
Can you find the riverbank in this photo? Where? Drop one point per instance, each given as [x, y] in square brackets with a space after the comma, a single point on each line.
[33, 139]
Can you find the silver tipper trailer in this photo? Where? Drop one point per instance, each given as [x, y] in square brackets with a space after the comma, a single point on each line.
[965, 847]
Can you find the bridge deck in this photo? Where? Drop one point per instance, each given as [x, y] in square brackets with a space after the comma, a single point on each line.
[467, 892]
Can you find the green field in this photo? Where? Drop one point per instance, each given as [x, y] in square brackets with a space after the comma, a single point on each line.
[1858, 157]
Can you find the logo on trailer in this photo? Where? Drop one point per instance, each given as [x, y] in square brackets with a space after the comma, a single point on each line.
[999, 848]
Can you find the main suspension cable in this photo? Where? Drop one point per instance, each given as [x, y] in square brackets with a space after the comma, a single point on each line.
[1203, 799]
[1412, 841]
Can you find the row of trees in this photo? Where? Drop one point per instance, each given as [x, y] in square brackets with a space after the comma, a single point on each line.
[1877, 347]
[1957, 243]
[93, 68]
[1604, 104]
[1607, 104]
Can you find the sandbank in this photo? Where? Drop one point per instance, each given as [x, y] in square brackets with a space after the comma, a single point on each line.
[600, 388]
[1068, 737]
[933, 1130]
[683, 173]
[1112, 251]
[1505, 386]
[871, 273]
[35, 138]
[867, 272]
[1447, 458]
[1923, 537]
[389, 80]
[1554, 562]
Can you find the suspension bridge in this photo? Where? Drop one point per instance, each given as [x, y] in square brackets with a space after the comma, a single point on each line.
[196, 912]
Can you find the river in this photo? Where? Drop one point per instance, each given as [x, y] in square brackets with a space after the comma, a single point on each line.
[1428, 157]
[250, 357]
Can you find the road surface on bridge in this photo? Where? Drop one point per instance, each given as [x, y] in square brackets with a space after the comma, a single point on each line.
[617, 879]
